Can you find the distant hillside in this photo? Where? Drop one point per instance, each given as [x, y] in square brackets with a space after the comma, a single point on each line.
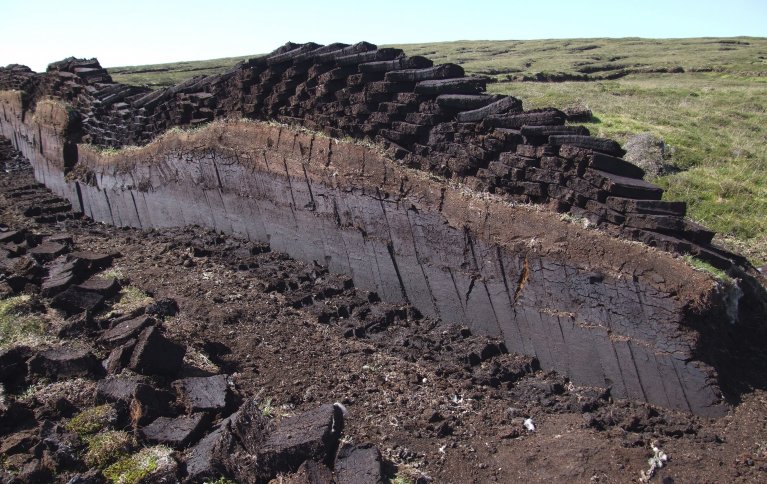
[587, 59]
[164, 75]
[706, 98]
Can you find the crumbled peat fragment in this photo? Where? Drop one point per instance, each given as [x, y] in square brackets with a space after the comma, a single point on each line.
[154, 354]
[176, 432]
[65, 363]
[203, 394]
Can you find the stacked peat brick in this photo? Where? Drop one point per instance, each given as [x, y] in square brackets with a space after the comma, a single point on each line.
[15, 77]
[429, 117]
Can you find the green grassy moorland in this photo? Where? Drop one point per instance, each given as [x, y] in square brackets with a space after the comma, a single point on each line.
[164, 75]
[707, 98]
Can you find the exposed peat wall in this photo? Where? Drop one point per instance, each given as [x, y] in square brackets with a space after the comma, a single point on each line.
[602, 310]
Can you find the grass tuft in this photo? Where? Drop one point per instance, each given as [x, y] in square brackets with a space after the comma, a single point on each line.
[107, 447]
[91, 420]
[398, 479]
[18, 324]
[116, 273]
[130, 299]
[267, 409]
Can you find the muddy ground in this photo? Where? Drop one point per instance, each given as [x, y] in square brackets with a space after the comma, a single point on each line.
[441, 404]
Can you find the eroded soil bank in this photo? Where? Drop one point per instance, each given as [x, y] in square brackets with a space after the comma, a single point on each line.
[605, 312]
[439, 402]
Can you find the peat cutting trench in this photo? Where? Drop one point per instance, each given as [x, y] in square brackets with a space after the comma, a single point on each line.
[359, 264]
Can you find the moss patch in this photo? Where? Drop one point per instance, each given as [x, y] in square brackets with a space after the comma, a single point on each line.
[134, 468]
[704, 266]
[91, 420]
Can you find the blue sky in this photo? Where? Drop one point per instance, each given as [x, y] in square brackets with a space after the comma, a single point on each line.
[36, 32]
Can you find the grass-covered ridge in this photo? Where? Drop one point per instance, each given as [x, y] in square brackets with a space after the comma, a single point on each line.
[164, 75]
[517, 59]
[707, 98]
